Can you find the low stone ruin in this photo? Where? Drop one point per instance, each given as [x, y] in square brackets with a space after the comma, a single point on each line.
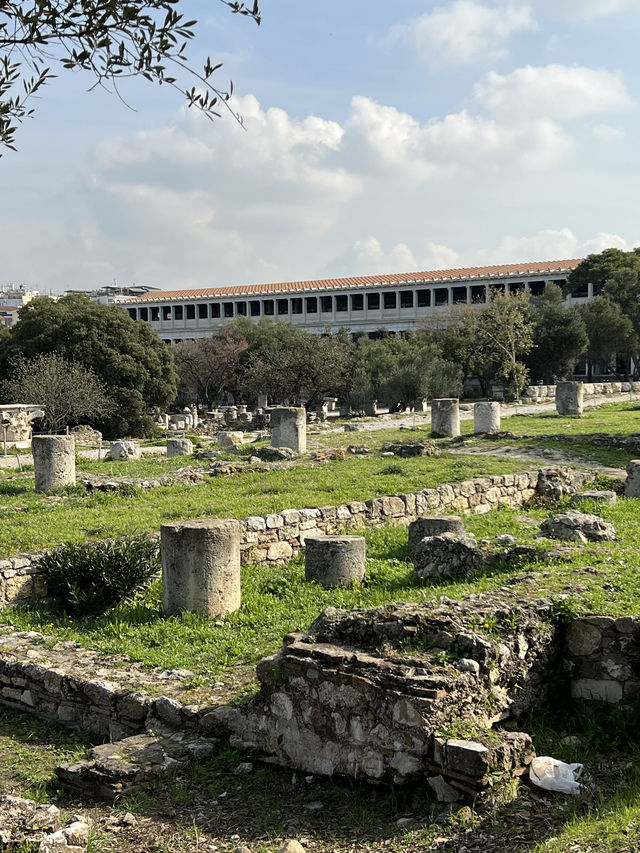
[118, 769]
[229, 440]
[450, 555]
[179, 447]
[575, 526]
[377, 694]
[410, 448]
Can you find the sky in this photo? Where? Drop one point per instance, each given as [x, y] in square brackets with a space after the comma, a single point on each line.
[377, 137]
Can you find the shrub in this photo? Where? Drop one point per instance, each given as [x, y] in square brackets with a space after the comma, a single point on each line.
[88, 578]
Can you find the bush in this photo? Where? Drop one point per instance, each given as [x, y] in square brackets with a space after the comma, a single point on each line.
[88, 578]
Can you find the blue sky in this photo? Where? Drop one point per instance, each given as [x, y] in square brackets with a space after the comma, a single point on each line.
[379, 137]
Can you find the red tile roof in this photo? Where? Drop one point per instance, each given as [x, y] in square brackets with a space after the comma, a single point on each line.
[499, 270]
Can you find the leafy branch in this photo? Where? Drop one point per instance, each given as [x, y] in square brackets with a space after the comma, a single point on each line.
[112, 40]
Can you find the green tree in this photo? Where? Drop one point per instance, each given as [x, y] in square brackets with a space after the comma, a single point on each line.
[134, 365]
[68, 392]
[610, 333]
[209, 366]
[402, 371]
[288, 363]
[505, 338]
[111, 39]
[597, 269]
[559, 336]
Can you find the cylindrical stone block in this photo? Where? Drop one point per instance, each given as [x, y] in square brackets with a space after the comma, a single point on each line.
[54, 460]
[335, 560]
[201, 566]
[445, 417]
[289, 428]
[632, 484]
[433, 525]
[124, 451]
[486, 417]
[570, 398]
[179, 447]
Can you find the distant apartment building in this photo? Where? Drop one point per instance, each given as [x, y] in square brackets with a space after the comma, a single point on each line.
[363, 305]
[12, 299]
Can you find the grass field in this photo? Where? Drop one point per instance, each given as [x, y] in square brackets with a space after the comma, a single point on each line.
[208, 807]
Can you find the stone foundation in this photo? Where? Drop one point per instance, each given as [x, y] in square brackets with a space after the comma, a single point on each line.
[366, 693]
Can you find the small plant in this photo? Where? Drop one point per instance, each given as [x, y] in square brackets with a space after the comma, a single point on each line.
[394, 468]
[89, 578]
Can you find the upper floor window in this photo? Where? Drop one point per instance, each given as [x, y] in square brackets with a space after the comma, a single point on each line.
[389, 300]
[406, 298]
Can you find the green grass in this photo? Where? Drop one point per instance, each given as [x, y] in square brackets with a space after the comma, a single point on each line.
[30, 750]
[276, 601]
[33, 521]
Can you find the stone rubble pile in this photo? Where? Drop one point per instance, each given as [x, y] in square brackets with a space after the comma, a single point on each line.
[410, 448]
[575, 526]
[25, 824]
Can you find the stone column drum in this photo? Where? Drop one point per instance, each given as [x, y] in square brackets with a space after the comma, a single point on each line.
[179, 447]
[445, 417]
[570, 398]
[433, 525]
[54, 460]
[486, 417]
[289, 428]
[201, 566]
[632, 483]
[335, 560]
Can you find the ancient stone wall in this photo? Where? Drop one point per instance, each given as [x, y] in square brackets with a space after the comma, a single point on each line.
[539, 393]
[275, 538]
[110, 696]
[603, 658]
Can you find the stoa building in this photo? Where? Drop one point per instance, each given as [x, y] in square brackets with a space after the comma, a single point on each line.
[362, 305]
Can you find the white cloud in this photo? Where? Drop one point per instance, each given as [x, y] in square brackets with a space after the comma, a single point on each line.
[368, 257]
[604, 241]
[606, 133]
[553, 91]
[549, 244]
[585, 8]
[466, 30]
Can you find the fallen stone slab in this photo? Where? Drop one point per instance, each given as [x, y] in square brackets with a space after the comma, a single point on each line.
[275, 454]
[128, 765]
[605, 497]
[575, 526]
